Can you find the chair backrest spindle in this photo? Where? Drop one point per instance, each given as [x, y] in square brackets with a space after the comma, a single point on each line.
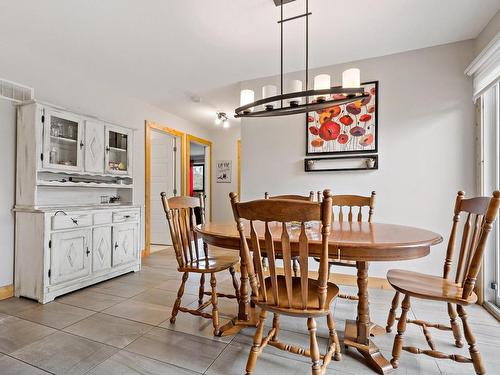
[278, 220]
[480, 214]
[181, 222]
[354, 205]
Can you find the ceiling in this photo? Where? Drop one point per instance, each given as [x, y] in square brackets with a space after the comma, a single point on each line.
[188, 56]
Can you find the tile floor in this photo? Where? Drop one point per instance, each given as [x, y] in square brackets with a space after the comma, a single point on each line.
[121, 327]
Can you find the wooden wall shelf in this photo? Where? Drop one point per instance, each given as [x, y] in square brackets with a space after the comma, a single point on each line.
[341, 163]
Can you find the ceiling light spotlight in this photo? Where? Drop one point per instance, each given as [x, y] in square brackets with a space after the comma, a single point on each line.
[221, 118]
[225, 124]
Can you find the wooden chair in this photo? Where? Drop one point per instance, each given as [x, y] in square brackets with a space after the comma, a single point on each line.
[309, 198]
[285, 294]
[190, 258]
[355, 203]
[480, 212]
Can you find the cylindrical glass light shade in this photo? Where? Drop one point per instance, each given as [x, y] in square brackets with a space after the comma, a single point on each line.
[322, 82]
[225, 124]
[267, 92]
[295, 85]
[247, 97]
[351, 79]
[218, 121]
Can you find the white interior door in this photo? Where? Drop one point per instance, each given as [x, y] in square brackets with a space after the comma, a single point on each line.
[165, 171]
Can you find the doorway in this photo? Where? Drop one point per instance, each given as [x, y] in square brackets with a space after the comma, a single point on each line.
[199, 169]
[164, 172]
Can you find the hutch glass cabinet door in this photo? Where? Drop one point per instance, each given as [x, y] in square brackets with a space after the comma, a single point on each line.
[62, 141]
[118, 146]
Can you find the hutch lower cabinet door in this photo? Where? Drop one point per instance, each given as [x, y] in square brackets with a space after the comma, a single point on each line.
[124, 243]
[101, 249]
[70, 255]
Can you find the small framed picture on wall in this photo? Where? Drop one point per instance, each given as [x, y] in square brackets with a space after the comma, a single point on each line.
[347, 128]
[223, 171]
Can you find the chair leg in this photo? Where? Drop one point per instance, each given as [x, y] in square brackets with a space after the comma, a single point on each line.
[313, 347]
[398, 340]
[334, 338]
[454, 326]
[392, 313]
[177, 303]
[201, 291]
[471, 340]
[236, 285]
[257, 341]
[215, 311]
[295, 264]
[276, 326]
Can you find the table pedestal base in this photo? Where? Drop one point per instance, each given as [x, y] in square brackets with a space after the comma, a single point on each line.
[236, 324]
[376, 330]
[370, 351]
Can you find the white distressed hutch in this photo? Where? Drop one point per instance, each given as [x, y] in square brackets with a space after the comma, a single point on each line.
[69, 233]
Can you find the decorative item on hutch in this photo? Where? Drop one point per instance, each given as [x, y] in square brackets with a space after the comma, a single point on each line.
[74, 198]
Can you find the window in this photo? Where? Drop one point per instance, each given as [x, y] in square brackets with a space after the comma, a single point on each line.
[198, 177]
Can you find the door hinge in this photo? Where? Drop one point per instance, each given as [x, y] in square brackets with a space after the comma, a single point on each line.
[50, 244]
[41, 156]
[494, 285]
[50, 273]
[175, 148]
[175, 191]
[43, 119]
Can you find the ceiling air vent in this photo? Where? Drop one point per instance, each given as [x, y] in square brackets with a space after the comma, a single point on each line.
[15, 92]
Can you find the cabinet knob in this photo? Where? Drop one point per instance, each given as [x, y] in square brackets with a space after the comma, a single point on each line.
[88, 251]
[107, 148]
[116, 245]
[81, 145]
[75, 221]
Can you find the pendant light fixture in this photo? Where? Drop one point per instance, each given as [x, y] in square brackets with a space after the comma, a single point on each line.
[222, 119]
[296, 100]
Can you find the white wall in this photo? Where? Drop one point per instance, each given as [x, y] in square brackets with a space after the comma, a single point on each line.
[426, 143]
[487, 34]
[225, 148]
[7, 190]
[60, 85]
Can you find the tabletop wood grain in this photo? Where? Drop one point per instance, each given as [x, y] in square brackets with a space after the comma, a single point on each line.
[350, 241]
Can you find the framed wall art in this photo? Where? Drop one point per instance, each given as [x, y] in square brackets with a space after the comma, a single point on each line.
[224, 171]
[345, 129]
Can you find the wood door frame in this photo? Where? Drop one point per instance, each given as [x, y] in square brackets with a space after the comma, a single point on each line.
[151, 125]
[191, 138]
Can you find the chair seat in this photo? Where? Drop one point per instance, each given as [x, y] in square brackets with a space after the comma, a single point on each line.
[297, 310]
[214, 263]
[428, 287]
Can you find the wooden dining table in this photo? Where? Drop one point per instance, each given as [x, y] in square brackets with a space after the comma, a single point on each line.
[359, 241]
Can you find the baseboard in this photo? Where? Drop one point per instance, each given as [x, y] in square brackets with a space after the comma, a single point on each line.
[6, 291]
[373, 282]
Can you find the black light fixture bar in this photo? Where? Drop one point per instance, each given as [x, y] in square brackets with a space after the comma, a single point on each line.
[353, 95]
[296, 17]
